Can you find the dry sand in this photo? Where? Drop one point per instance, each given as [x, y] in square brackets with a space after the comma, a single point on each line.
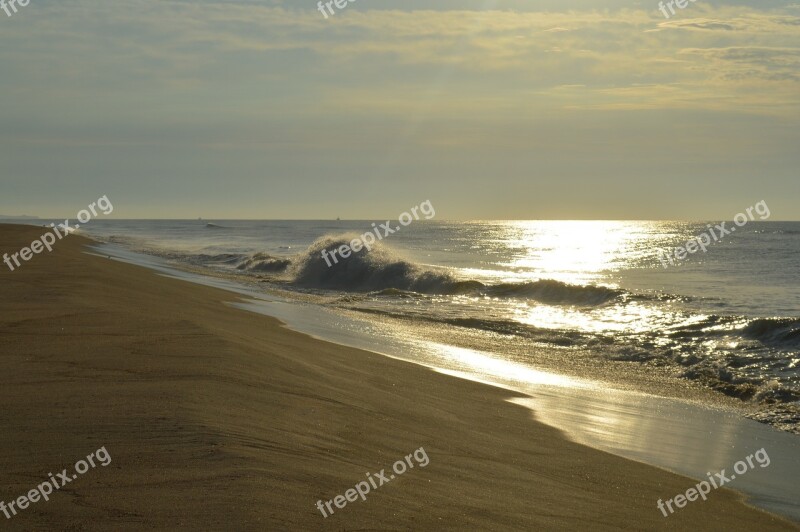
[219, 419]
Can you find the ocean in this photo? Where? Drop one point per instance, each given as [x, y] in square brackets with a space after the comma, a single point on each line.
[584, 293]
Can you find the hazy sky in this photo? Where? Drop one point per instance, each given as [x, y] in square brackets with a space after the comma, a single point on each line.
[490, 109]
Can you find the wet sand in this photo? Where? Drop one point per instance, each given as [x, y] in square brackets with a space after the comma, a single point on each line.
[217, 418]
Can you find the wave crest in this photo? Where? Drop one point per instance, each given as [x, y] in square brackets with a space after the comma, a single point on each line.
[380, 270]
[365, 270]
[262, 262]
[779, 332]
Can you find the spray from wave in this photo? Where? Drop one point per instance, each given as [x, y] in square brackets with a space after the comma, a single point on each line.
[368, 271]
[380, 270]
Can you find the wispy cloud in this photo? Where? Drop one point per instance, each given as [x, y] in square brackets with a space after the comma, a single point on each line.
[303, 94]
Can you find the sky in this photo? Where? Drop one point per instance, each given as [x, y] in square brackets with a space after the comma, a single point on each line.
[518, 109]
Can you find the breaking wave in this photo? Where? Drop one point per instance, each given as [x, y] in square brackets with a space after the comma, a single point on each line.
[774, 332]
[379, 270]
[262, 262]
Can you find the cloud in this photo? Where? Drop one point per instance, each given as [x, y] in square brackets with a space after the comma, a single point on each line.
[81, 65]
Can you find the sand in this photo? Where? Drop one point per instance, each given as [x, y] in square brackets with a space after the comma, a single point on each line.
[220, 419]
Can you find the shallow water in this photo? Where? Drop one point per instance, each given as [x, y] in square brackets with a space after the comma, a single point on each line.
[681, 436]
[728, 318]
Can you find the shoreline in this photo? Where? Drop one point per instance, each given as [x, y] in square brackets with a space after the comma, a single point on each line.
[655, 421]
[218, 417]
[660, 379]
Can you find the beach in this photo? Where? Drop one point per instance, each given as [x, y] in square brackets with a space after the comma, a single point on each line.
[217, 418]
